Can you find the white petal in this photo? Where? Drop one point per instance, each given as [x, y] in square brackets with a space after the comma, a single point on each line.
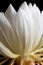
[8, 33]
[10, 10]
[37, 24]
[30, 5]
[7, 52]
[10, 15]
[3, 40]
[26, 30]
[20, 30]
[30, 21]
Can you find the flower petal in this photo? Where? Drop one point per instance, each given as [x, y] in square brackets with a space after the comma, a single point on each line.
[7, 52]
[8, 33]
[26, 29]
[37, 24]
[3, 40]
[10, 15]
[30, 21]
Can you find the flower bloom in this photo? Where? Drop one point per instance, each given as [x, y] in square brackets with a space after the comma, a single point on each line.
[21, 33]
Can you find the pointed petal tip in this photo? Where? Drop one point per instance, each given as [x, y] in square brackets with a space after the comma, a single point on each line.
[19, 11]
[30, 4]
[34, 5]
[10, 5]
[10, 10]
[24, 3]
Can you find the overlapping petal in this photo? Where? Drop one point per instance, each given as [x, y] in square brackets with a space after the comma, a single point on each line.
[21, 32]
[8, 33]
[38, 24]
[30, 25]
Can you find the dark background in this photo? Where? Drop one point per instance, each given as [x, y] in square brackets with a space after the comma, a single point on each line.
[16, 3]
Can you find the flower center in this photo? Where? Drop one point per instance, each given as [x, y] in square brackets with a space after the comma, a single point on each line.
[30, 62]
[26, 61]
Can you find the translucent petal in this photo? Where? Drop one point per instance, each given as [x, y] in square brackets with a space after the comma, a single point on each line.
[30, 21]
[27, 29]
[8, 33]
[3, 40]
[37, 24]
[11, 15]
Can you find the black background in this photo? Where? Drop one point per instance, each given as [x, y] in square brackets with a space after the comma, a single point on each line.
[16, 3]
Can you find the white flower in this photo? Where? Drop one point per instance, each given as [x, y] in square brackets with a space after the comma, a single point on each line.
[21, 32]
